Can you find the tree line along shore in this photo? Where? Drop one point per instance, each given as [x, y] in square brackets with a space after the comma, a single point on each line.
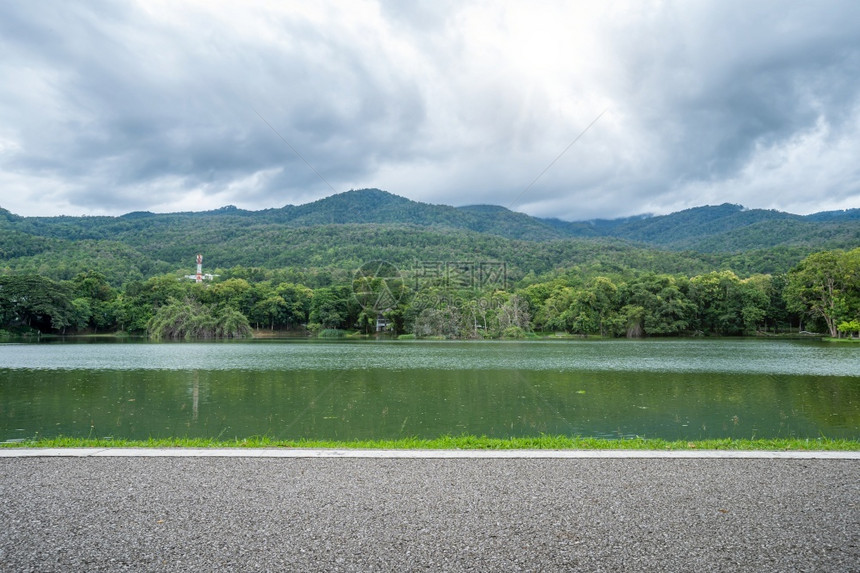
[821, 294]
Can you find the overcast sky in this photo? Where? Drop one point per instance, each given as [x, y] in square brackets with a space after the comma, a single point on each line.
[109, 107]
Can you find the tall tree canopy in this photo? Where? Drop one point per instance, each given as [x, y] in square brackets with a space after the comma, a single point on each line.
[826, 285]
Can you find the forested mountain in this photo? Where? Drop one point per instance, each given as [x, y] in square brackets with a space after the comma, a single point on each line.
[352, 207]
[480, 271]
[345, 247]
[344, 230]
[728, 228]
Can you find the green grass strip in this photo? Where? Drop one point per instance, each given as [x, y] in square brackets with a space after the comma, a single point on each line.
[464, 442]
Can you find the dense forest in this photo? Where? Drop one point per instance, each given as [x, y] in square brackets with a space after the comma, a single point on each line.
[470, 272]
[341, 232]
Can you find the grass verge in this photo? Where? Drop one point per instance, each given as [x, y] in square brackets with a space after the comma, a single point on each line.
[455, 443]
[842, 340]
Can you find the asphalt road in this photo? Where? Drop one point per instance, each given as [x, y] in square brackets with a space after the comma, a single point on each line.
[252, 514]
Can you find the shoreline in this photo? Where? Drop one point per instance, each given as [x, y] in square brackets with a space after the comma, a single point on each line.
[456, 443]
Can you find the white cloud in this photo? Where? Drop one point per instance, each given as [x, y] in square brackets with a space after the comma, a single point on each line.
[153, 105]
[785, 175]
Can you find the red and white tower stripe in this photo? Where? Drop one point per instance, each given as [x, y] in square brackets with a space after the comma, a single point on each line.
[199, 277]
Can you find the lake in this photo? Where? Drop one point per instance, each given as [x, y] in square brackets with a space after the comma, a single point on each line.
[343, 390]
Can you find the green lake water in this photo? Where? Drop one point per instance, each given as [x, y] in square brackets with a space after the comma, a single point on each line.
[288, 389]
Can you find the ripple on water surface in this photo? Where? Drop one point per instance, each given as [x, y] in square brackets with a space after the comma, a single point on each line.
[738, 356]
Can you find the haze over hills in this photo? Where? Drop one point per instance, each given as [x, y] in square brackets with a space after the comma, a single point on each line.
[348, 228]
[688, 229]
[728, 227]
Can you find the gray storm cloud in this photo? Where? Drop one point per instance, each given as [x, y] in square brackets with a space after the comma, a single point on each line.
[111, 108]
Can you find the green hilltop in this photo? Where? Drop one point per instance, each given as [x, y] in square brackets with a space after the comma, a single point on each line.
[344, 230]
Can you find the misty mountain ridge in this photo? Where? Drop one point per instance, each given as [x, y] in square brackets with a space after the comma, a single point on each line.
[720, 228]
[373, 202]
[726, 227]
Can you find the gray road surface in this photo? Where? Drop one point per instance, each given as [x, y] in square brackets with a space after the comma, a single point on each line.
[325, 514]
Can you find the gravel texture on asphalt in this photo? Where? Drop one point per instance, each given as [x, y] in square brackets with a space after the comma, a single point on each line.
[247, 514]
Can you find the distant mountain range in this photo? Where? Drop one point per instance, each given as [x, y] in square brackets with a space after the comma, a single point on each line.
[345, 228]
[718, 228]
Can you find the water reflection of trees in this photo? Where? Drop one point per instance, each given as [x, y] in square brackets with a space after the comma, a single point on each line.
[386, 403]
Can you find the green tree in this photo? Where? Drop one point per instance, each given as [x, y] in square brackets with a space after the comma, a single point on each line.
[93, 285]
[553, 311]
[653, 305]
[81, 313]
[92, 289]
[180, 319]
[629, 321]
[230, 323]
[719, 303]
[37, 302]
[140, 300]
[131, 313]
[756, 296]
[582, 315]
[297, 298]
[238, 294]
[849, 327]
[189, 319]
[271, 310]
[603, 299]
[826, 286]
[329, 308]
